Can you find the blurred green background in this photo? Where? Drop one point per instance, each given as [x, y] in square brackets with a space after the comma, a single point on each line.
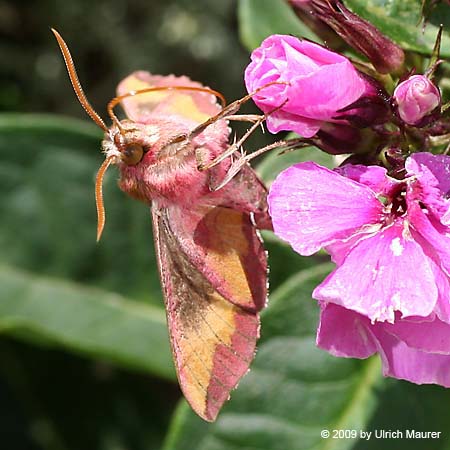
[84, 355]
[110, 39]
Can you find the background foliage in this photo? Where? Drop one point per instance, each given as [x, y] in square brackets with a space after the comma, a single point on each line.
[84, 356]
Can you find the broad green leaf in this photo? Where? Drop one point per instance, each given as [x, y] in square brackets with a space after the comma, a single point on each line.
[85, 320]
[67, 401]
[406, 406]
[261, 18]
[399, 19]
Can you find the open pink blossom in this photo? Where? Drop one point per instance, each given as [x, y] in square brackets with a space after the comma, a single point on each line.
[320, 83]
[390, 240]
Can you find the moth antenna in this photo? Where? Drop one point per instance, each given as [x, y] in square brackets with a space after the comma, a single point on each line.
[101, 217]
[76, 82]
[116, 100]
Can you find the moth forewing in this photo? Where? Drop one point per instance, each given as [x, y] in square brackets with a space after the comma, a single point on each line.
[213, 340]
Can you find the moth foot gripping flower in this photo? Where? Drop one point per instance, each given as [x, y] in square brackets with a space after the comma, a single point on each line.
[390, 240]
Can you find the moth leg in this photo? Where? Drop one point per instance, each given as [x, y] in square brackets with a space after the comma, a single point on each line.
[238, 144]
[235, 146]
[244, 117]
[224, 113]
[229, 110]
[236, 166]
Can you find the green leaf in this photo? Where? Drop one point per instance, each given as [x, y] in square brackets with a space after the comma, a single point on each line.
[261, 18]
[399, 20]
[84, 320]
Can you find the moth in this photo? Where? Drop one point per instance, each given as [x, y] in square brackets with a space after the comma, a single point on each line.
[171, 152]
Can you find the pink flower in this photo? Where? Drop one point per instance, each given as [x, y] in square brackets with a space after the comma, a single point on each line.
[390, 240]
[321, 83]
[416, 99]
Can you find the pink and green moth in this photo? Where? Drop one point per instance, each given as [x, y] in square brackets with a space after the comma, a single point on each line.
[212, 264]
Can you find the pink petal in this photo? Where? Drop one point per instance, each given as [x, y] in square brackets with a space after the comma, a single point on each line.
[432, 181]
[320, 83]
[374, 177]
[416, 97]
[312, 207]
[407, 363]
[283, 121]
[344, 333]
[339, 250]
[316, 95]
[379, 276]
[298, 64]
[442, 307]
[432, 337]
[437, 240]
[319, 54]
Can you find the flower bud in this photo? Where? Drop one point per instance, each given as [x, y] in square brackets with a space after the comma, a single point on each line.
[384, 54]
[416, 100]
[337, 139]
[302, 9]
[320, 85]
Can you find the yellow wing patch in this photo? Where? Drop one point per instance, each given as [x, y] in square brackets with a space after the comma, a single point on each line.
[227, 248]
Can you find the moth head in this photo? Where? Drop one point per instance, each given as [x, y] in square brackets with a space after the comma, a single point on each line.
[126, 142]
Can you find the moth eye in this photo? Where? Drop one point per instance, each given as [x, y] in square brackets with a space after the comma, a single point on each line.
[132, 154]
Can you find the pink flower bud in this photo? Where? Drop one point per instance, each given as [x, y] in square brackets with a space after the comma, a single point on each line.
[321, 85]
[416, 99]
